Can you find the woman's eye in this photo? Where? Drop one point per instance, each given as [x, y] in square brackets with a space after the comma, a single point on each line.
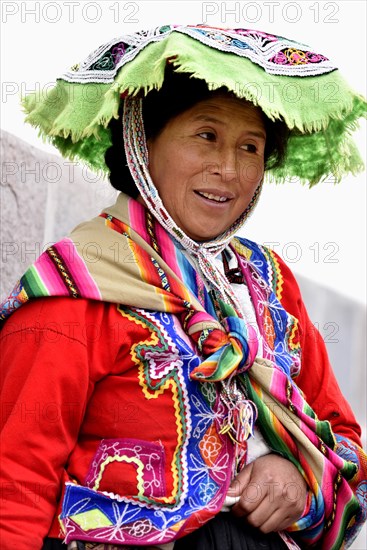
[250, 147]
[210, 136]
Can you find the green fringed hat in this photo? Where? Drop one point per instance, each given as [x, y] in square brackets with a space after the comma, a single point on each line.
[284, 78]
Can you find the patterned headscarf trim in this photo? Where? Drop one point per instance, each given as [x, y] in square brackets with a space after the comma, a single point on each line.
[204, 252]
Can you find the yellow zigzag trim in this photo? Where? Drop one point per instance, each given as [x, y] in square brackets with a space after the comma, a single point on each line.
[279, 280]
[292, 345]
[278, 292]
[139, 470]
[154, 394]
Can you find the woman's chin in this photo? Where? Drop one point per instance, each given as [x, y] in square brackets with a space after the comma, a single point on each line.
[205, 235]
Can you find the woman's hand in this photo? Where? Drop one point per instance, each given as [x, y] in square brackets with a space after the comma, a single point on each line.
[272, 493]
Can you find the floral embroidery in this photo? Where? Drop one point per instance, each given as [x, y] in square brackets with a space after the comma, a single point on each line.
[293, 56]
[210, 446]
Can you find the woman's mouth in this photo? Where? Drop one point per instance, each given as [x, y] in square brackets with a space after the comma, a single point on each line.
[212, 196]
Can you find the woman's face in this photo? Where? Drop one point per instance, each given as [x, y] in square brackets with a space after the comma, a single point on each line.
[206, 164]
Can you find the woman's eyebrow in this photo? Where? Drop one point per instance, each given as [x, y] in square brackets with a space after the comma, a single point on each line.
[255, 133]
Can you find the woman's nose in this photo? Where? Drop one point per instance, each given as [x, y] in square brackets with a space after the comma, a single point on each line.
[228, 164]
[224, 164]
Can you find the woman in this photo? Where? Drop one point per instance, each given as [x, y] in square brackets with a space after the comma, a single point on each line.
[186, 379]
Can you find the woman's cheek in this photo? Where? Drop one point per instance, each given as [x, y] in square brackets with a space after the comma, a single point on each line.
[252, 172]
